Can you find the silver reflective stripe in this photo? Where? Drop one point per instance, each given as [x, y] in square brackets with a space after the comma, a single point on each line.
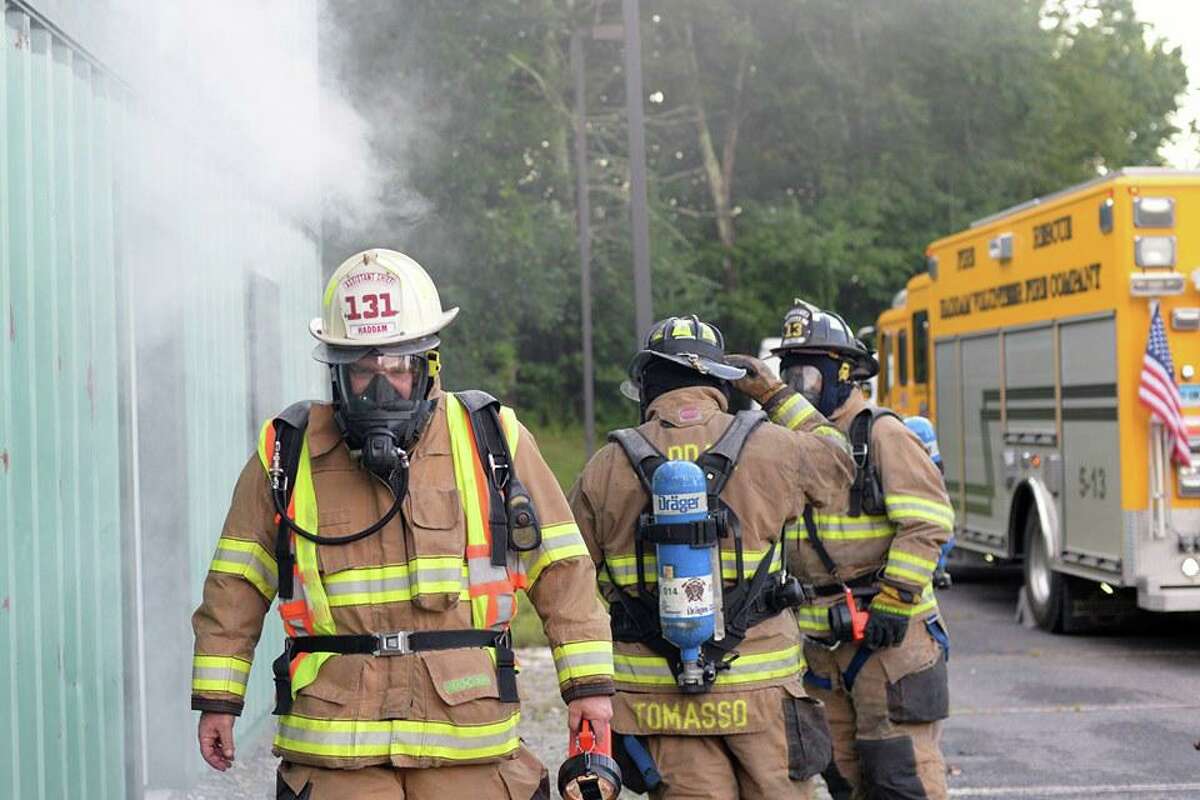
[638, 669]
[581, 659]
[373, 738]
[627, 572]
[351, 738]
[219, 674]
[247, 558]
[393, 583]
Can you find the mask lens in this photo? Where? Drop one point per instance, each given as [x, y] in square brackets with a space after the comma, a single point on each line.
[805, 379]
[401, 372]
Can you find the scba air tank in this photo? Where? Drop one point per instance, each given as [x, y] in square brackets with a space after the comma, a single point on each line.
[688, 574]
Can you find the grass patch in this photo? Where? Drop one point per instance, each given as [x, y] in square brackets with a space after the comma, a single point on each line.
[563, 449]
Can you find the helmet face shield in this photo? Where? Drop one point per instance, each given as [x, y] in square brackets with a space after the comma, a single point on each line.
[805, 379]
[376, 377]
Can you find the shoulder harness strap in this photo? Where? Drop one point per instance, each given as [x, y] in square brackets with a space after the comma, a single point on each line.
[643, 456]
[510, 506]
[866, 493]
[720, 460]
[290, 426]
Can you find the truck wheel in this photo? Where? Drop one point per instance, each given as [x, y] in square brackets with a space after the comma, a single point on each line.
[1047, 592]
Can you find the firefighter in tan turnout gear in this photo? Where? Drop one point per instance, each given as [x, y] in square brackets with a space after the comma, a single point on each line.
[410, 516]
[871, 557]
[737, 724]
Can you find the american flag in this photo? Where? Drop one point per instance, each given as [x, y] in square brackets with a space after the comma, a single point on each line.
[1157, 390]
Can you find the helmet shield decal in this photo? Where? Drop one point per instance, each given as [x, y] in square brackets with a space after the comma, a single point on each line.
[370, 300]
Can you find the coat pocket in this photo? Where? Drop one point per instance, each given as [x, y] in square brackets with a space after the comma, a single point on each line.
[460, 676]
[809, 742]
[439, 542]
[337, 685]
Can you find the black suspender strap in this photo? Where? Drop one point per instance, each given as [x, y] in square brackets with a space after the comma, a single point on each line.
[818, 545]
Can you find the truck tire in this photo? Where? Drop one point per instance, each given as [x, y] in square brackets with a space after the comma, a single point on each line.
[1047, 592]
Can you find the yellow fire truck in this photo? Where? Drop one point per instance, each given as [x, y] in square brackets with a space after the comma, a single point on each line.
[1024, 342]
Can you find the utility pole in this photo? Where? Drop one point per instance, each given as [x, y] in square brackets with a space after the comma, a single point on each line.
[643, 311]
[584, 210]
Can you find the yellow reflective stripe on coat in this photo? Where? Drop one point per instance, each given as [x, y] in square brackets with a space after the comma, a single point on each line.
[793, 412]
[899, 610]
[908, 567]
[813, 620]
[624, 568]
[339, 738]
[397, 583]
[559, 542]
[906, 506]
[575, 660]
[248, 560]
[220, 674]
[654, 671]
[832, 432]
[842, 528]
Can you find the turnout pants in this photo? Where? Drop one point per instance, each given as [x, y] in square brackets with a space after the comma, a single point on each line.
[776, 763]
[521, 778]
[884, 711]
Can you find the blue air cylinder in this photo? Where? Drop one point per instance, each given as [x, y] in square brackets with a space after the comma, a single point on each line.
[688, 591]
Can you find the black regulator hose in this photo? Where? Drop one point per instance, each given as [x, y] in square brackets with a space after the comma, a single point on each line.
[400, 488]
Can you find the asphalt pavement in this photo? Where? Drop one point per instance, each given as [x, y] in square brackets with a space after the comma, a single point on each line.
[1037, 715]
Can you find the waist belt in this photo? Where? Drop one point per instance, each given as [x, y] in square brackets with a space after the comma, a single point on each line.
[402, 643]
[861, 586]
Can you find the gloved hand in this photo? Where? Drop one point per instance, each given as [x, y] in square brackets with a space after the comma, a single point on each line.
[884, 630]
[761, 383]
[890, 612]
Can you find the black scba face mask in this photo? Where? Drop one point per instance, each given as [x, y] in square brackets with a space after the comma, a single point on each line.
[822, 379]
[379, 421]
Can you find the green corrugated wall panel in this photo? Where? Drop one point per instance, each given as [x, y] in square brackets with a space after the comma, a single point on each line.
[9, 740]
[23, 452]
[67, 670]
[61, 529]
[72, 385]
[49, 386]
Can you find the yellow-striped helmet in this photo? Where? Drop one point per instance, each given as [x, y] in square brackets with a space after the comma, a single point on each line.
[683, 340]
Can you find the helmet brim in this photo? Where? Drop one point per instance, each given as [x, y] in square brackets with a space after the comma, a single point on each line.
[701, 364]
[317, 329]
[333, 354]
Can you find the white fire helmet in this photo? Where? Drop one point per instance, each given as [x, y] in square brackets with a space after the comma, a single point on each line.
[378, 300]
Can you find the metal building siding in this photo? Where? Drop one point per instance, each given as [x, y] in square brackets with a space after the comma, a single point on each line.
[79, 273]
[65, 668]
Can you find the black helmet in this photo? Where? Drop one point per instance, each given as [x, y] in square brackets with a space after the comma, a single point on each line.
[686, 341]
[808, 329]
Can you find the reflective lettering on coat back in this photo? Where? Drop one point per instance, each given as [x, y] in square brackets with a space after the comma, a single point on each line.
[690, 716]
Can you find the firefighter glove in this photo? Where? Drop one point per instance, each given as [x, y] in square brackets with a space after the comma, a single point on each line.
[760, 383]
[890, 611]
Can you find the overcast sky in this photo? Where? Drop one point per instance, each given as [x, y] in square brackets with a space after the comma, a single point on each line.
[1179, 22]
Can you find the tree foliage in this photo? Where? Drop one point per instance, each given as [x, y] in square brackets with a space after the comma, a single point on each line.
[795, 148]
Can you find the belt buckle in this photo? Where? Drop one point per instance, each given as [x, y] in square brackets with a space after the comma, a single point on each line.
[394, 643]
